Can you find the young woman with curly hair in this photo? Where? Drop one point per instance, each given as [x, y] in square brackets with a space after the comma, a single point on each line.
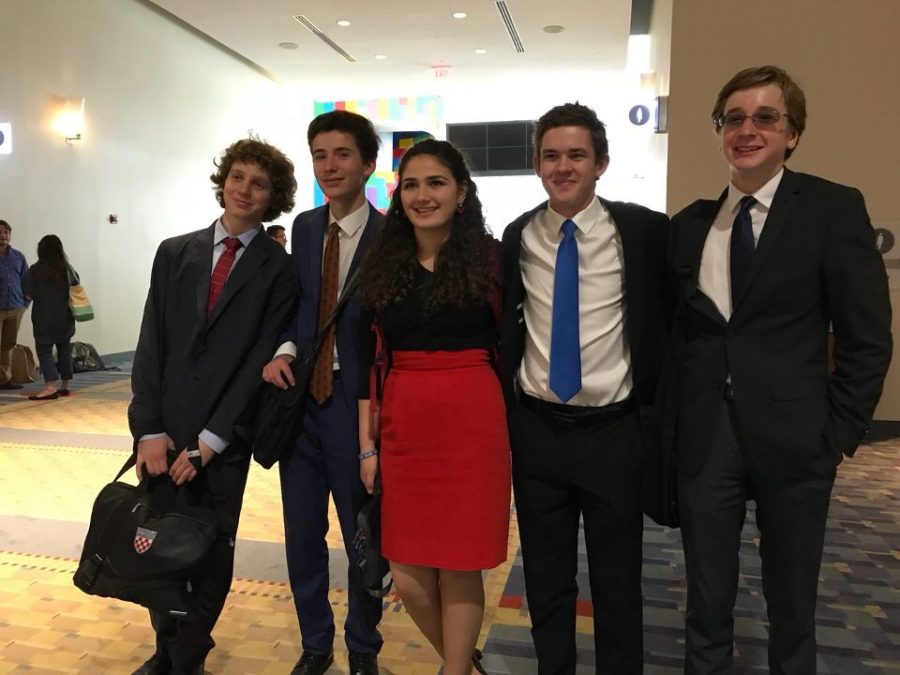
[428, 282]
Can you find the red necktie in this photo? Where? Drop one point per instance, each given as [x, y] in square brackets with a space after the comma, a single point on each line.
[220, 273]
[321, 383]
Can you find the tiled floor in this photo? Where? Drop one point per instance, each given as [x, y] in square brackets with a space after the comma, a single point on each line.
[56, 456]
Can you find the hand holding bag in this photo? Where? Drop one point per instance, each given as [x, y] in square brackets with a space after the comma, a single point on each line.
[372, 566]
[136, 553]
[277, 413]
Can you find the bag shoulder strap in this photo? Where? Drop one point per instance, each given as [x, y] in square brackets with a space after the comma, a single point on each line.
[349, 288]
[130, 462]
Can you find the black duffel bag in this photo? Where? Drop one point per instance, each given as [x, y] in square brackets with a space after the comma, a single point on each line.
[136, 553]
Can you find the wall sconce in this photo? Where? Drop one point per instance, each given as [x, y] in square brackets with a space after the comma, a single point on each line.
[68, 118]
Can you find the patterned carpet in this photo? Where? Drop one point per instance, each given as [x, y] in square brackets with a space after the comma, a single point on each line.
[56, 455]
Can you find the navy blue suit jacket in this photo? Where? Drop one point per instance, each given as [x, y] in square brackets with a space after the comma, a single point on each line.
[308, 236]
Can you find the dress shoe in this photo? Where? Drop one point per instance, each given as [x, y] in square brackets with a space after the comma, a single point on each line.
[9, 384]
[189, 671]
[476, 662]
[63, 392]
[155, 665]
[363, 664]
[313, 664]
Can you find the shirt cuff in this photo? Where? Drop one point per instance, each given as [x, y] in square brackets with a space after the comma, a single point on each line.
[150, 437]
[216, 443]
[287, 348]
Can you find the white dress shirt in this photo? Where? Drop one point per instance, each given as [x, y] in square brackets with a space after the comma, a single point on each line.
[715, 264]
[605, 357]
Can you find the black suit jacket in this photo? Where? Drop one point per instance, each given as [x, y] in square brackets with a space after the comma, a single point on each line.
[649, 296]
[192, 372]
[815, 264]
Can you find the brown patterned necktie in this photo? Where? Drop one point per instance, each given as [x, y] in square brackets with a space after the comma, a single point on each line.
[321, 383]
[220, 273]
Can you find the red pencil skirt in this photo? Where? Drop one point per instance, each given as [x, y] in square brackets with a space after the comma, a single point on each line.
[445, 466]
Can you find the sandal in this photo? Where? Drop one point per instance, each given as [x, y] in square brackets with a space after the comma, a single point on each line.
[62, 392]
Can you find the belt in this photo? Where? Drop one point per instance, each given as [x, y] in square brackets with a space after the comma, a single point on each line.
[577, 415]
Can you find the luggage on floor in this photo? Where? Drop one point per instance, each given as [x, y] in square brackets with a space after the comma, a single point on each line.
[24, 369]
[85, 358]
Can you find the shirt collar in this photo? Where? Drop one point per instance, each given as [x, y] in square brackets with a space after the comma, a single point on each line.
[764, 195]
[351, 223]
[584, 220]
[221, 233]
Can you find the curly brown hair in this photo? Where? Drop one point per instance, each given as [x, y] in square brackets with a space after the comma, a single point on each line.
[271, 160]
[463, 274]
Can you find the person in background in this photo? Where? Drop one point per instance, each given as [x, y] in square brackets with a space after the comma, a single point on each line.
[766, 269]
[47, 287]
[429, 281]
[13, 268]
[277, 233]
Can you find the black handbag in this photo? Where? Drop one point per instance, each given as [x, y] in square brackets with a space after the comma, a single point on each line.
[134, 552]
[277, 413]
[373, 568]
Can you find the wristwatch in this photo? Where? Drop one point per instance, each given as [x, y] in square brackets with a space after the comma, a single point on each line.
[193, 453]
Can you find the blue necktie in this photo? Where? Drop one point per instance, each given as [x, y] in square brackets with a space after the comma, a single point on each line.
[565, 343]
[742, 246]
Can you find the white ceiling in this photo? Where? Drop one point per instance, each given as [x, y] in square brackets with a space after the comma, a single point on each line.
[413, 35]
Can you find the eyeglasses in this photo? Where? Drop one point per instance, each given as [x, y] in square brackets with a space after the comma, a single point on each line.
[764, 118]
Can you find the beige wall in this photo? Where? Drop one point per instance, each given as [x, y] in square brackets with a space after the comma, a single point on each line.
[846, 57]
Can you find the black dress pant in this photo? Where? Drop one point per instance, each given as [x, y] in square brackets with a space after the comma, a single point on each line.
[791, 519]
[219, 485]
[560, 475]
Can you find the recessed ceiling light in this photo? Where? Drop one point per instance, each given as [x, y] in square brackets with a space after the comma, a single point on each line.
[380, 57]
[459, 15]
[343, 23]
[553, 29]
[481, 51]
[288, 45]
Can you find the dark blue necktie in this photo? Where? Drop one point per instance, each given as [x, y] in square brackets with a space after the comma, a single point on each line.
[565, 343]
[742, 246]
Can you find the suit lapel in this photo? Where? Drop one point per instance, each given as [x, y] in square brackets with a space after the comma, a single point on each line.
[632, 237]
[779, 215]
[316, 251]
[368, 234]
[694, 232]
[199, 258]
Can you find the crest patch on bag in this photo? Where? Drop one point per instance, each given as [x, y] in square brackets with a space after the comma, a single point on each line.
[143, 539]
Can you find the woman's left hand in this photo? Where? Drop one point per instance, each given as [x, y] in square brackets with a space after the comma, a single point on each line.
[368, 467]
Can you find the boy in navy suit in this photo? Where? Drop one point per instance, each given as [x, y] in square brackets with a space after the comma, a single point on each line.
[329, 243]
